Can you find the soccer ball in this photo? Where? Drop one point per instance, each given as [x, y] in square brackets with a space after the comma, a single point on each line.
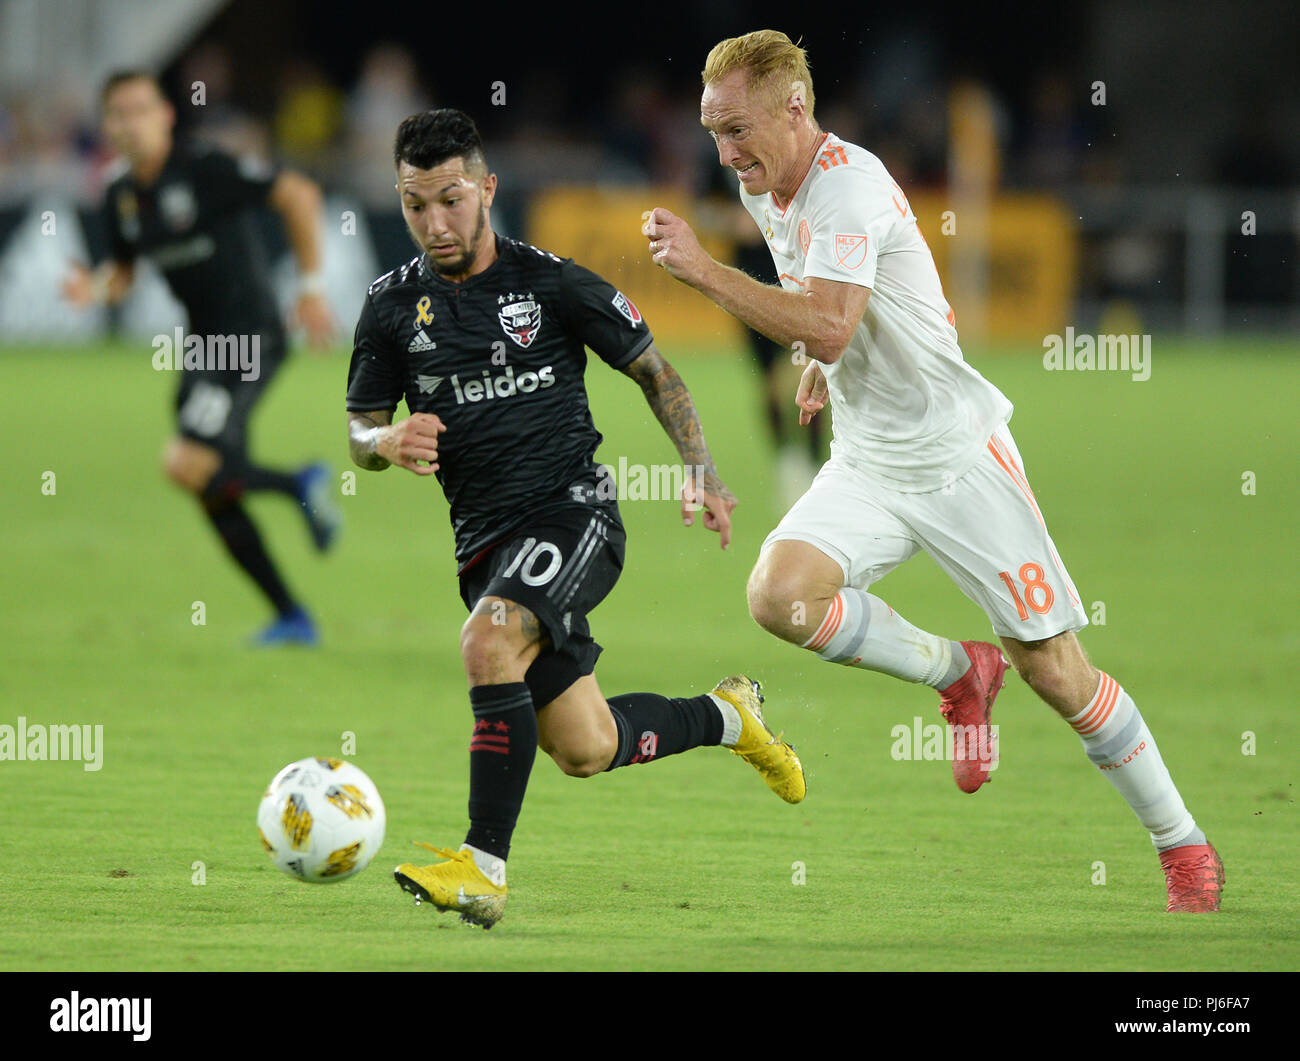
[321, 820]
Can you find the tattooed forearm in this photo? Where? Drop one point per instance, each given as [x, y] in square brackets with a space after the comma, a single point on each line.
[674, 408]
[362, 432]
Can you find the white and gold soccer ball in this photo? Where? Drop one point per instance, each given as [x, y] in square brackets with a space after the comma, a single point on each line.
[321, 820]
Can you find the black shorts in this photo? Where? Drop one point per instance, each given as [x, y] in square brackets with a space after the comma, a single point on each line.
[559, 565]
[214, 407]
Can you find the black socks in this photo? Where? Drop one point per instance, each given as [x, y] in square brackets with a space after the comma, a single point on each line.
[651, 726]
[501, 754]
[245, 546]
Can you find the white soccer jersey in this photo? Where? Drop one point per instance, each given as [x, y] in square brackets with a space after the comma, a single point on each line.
[907, 409]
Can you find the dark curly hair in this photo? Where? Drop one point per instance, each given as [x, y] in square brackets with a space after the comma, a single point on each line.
[429, 138]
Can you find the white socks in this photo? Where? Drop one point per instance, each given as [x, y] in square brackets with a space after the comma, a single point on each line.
[863, 631]
[492, 867]
[1118, 742]
[730, 720]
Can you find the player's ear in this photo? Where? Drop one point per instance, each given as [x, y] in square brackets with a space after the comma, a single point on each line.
[797, 102]
[489, 189]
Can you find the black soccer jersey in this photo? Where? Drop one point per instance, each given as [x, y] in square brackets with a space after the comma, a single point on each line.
[194, 223]
[500, 360]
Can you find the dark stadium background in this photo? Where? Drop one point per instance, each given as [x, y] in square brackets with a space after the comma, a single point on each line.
[1202, 100]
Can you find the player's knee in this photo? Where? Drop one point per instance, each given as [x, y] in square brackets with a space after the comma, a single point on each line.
[187, 469]
[773, 597]
[179, 470]
[485, 650]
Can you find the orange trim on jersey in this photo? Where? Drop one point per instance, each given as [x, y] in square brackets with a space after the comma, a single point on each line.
[792, 279]
[777, 202]
[952, 318]
[830, 625]
[903, 207]
[1102, 706]
[832, 156]
[1008, 462]
[1023, 485]
[1060, 568]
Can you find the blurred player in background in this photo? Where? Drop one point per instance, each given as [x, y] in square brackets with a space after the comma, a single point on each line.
[921, 456]
[484, 338]
[797, 459]
[187, 207]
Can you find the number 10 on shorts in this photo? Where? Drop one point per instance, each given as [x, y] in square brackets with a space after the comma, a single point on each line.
[531, 557]
[1038, 594]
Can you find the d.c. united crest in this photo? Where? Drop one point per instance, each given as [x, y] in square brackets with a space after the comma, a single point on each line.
[520, 317]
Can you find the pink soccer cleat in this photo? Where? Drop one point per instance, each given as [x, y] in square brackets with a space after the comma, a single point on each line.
[967, 704]
[1193, 878]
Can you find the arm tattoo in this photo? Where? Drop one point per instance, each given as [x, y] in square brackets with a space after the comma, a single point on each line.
[362, 445]
[672, 405]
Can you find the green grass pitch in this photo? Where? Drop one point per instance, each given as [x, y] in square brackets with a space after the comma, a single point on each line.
[153, 862]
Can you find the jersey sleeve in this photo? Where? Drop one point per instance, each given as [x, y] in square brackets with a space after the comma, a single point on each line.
[375, 376]
[851, 215]
[231, 183]
[602, 316]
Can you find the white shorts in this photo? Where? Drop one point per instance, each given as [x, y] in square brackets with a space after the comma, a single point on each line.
[984, 530]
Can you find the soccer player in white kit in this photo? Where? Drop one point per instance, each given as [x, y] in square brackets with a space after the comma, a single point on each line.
[922, 457]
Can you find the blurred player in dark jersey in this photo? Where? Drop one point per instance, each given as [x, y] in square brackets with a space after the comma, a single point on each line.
[187, 208]
[485, 340]
[797, 459]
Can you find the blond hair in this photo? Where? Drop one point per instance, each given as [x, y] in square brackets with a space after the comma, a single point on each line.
[774, 63]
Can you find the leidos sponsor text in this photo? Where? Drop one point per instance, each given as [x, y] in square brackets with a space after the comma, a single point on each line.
[57, 743]
[506, 385]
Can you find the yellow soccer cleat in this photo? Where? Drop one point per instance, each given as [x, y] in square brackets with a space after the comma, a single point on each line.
[764, 751]
[457, 885]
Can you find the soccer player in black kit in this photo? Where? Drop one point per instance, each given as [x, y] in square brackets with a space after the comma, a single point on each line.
[484, 338]
[187, 208]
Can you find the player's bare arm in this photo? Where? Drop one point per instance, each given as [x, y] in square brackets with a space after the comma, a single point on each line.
[376, 442]
[675, 409]
[298, 201]
[823, 317]
[106, 285]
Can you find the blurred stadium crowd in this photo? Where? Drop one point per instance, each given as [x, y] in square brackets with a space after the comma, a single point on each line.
[642, 129]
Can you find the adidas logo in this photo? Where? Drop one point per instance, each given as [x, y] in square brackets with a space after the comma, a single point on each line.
[428, 384]
[421, 342]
